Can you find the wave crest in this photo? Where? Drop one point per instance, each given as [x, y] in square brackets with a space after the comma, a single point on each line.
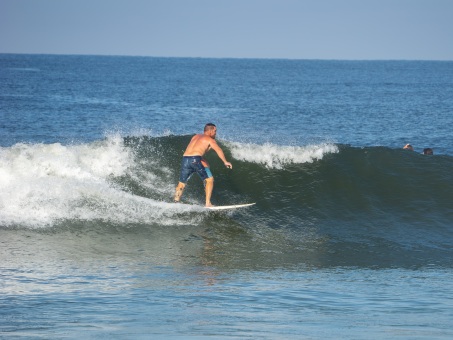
[274, 156]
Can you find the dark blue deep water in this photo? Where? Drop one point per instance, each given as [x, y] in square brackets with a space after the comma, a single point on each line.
[351, 236]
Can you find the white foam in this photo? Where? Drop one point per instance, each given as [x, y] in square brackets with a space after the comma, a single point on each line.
[274, 156]
[42, 184]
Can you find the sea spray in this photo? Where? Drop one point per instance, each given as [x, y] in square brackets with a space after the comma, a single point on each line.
[42, 184]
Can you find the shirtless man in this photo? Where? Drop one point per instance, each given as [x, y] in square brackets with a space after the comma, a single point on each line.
[193, 161]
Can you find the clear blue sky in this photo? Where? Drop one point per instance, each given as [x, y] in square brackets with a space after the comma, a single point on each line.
[295, 29]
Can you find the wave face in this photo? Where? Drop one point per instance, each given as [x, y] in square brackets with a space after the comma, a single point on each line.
[349, 206]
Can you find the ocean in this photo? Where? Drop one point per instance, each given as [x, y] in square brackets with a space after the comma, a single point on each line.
[351, 236]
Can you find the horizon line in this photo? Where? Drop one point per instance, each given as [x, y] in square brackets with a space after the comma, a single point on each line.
[203, 57]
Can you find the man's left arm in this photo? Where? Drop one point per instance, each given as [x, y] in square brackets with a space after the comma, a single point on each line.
[221, 155]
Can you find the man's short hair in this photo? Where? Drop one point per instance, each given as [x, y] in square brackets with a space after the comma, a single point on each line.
[209, 126]
[428, 151]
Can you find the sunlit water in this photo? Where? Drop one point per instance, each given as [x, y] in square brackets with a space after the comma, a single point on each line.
[351, 237]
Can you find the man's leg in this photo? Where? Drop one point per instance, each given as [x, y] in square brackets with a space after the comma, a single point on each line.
[179, 190]
[208, 186]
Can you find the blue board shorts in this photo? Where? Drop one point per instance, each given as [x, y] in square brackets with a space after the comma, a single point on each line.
[190, 165]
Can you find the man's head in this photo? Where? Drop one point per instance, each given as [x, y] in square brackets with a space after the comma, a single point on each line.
[210, 129]
[428, 151]
[408, 147]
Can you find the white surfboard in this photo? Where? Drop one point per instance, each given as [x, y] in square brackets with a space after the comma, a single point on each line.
[226, 207]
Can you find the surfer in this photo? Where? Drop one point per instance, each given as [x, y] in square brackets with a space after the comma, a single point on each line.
[193, 161]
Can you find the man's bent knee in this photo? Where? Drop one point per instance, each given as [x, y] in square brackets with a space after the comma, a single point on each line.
[209, 180]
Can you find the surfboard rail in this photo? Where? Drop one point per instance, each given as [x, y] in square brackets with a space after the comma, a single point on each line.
[227, 207]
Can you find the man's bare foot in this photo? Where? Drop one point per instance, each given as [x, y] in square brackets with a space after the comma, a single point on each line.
[208, 205]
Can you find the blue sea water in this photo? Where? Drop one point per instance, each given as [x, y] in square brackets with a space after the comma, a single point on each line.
[351, 237]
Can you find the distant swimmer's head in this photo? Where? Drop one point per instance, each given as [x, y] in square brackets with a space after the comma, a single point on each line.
[408, 147]
[210, 129]
[428, 151]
